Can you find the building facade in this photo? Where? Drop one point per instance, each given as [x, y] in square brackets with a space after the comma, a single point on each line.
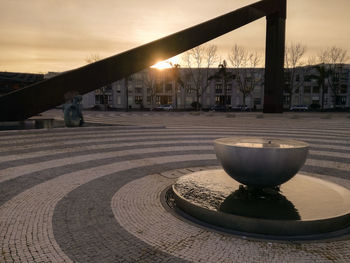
[12, 81]
[152, 87]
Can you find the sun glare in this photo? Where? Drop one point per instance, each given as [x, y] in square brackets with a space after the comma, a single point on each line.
[165, 63]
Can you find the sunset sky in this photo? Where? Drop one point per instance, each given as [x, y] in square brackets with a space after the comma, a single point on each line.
[57, 35]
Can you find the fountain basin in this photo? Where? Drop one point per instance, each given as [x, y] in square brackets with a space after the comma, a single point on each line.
[261, 162]
[304, 208]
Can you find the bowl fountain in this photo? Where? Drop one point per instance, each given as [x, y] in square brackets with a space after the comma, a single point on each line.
[260, 192]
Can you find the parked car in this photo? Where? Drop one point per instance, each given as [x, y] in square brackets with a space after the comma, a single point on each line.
[218, 108]
[166, 107]
[299, 108]
[241, 108]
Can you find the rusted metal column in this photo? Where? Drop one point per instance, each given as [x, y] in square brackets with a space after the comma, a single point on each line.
[274, 60]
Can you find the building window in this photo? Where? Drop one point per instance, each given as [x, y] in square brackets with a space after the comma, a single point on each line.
[335, 78]
[229, 88]
[307, 100]
[286, 99]
[218, 88]
[341, 100]
[118, 88]
[248, 79]
[307, 89]
[138, 90]
[158, 100]
[138, 82]
[159, 88]
[169, 88]
[316, 89]
[287, 76]
[188, 89]
[257, 101]
[100, 99]
[286, 88]
[297, 78]
[138, 99]
[149, 99]
[130, 99]
[343, 88]
[97, 99]
[307, 78]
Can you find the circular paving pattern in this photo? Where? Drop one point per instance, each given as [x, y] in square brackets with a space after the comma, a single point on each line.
[137, 209]
[93, 194]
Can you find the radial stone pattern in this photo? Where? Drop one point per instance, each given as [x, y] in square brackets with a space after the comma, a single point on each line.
[93, 194]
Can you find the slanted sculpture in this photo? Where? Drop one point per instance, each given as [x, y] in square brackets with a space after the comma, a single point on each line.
[73, 116]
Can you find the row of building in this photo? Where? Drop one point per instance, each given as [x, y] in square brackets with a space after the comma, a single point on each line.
[140, 91]
[182, 89]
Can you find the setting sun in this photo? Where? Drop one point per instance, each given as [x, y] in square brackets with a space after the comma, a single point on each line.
[162, 65]
[166, 63]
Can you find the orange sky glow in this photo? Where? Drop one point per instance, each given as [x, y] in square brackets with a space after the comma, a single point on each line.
[57, 35]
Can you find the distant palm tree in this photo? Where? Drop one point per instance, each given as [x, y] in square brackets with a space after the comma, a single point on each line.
[176, 77]
[224, 76]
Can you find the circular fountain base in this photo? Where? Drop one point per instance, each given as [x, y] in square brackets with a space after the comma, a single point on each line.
[303, 206]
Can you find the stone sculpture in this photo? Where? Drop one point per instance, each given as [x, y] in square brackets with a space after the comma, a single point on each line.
[73, 116]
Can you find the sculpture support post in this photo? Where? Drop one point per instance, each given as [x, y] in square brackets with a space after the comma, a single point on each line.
[274, 61]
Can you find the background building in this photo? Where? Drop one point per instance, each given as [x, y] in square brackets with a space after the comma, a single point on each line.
[152, 87]
[183, 87]
[11, 81]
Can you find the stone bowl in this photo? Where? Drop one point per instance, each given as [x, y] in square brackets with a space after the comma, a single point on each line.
[261, 162]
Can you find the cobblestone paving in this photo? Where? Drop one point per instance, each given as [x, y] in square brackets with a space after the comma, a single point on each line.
[137, 209]
[92, 194]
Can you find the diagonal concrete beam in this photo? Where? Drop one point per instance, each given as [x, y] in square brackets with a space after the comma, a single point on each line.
[34, 99]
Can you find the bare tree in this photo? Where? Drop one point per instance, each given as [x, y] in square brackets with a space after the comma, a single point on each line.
[333, 59]
[92, 58]
[245, 65]
[197, 59]
[294, 69]
[149, 80]
[126, 85]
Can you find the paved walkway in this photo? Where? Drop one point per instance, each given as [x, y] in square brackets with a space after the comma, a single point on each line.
[93, 194]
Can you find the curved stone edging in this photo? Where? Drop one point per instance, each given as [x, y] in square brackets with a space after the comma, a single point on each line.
[136, 207]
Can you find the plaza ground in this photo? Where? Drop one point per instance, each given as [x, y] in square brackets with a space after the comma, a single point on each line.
[92, 194]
